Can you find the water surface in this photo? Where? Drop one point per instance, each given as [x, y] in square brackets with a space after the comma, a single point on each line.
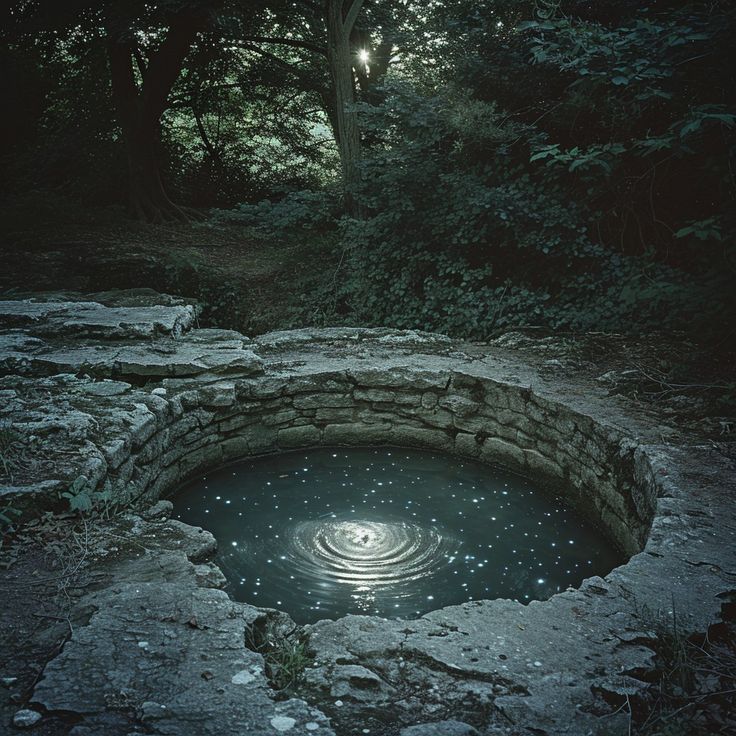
[387, 531]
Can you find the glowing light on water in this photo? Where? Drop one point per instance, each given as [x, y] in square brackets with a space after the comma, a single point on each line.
[388, 532]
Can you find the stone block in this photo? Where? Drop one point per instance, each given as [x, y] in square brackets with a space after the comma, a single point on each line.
[495, 395]
[323, 400]
[142, 422]
[260, 438]
[237, 422]
[459, 406]
[334, 416]
[356, 434]
[374, 394]
[496, 450]
[235, 447]
[304, 436]
[285, 416]
[116, 452]
[400, 378]
[403, 435]
[538, 466]
[153, 448]
[467, 445]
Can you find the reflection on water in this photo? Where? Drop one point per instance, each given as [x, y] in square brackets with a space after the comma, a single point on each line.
[387, 531]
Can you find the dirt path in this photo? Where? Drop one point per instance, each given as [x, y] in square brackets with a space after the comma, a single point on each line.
[245, 281]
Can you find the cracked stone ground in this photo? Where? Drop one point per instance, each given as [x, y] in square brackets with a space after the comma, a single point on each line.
[121, 625]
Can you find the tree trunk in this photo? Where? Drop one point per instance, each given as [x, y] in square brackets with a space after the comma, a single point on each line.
[147, 197]
[140, 110]
[340, 21]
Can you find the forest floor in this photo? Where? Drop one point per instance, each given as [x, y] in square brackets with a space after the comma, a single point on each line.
[243, 279]
[42, 579]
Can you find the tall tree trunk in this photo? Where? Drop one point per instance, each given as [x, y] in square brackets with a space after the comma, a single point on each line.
[340, 16]
[140, 110]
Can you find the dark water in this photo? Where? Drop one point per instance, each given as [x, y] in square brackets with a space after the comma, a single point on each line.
[387, 531]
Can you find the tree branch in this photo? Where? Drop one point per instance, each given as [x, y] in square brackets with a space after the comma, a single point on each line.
[295, 42]
[306, 79]
[140, 62]
[352, 15]
[165, 65]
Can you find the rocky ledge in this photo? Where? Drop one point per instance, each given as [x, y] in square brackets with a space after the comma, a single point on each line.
[123, 396]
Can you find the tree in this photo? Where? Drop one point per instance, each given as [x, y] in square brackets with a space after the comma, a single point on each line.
[329, 35]
[141, 105]
[146, 45]
[341, 16]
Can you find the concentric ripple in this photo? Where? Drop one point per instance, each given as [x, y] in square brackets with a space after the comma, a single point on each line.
[387, 531]
[366, 552]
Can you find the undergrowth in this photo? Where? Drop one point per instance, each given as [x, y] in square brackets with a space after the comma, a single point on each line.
[285, 651]
[10, 450]
[693, 690]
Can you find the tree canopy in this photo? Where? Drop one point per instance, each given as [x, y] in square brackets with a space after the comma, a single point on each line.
[563, 163]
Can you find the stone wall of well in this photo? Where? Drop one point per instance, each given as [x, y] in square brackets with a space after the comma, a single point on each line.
[130, 392]
[188, 426]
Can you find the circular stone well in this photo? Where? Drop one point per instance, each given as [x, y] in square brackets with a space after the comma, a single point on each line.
[103, 407]
[595, 468]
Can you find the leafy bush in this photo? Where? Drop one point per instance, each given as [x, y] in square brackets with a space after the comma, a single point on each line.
[606, 204]
[309, 210]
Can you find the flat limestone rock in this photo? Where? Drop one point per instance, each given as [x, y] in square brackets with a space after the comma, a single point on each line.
[161, 359]
[440, 728]
[217, 338]
[90, 319]
[162, 650]
[174, 655]
[45, 338]
[284, 338]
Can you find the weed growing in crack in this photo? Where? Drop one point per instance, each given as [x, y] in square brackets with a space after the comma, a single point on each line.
[285, 653]
[693, 690]
[83, 498]
[10, 449]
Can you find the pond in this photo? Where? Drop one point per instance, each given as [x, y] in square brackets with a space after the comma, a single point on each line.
[387, 531]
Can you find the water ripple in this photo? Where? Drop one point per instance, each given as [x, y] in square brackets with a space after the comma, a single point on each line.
[366, 552]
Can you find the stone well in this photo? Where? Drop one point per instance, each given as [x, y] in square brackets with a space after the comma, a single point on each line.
[124, 389]
[192, 425]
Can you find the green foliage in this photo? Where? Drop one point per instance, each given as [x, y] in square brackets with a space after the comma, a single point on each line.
[460, 245]
[305, 210]
[708, 229]
[285, 653]
[82, 497]
[576, 213]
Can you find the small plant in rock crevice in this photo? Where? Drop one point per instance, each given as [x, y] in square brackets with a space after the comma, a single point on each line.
[693, 690]
[83, 498]
[285, 651]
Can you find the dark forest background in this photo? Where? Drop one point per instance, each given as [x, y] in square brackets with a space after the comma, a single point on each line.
[453, 166]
